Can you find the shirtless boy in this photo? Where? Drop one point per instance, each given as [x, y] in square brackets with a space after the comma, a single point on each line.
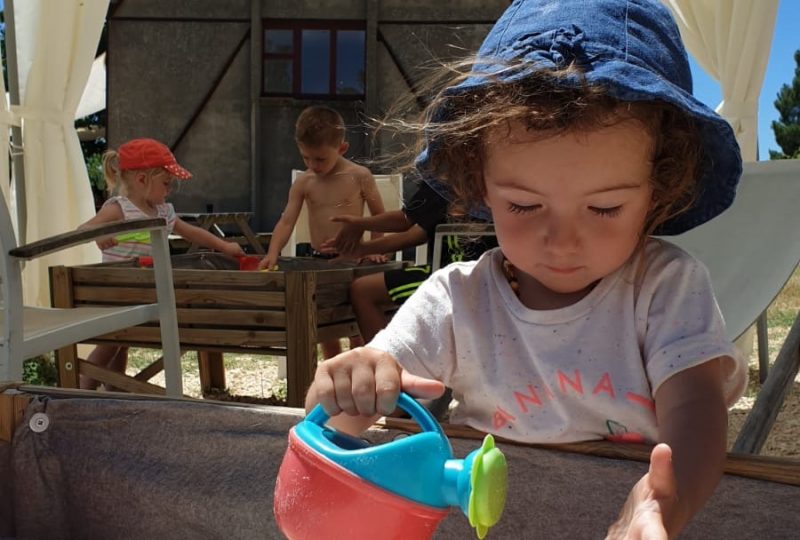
[331, 186]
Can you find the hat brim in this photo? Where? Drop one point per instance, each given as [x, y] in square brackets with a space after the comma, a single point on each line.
[177, 171]
[722, 163]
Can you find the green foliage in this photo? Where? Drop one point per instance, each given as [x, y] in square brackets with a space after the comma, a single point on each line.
[94, 165]
[41, 371]
[787, 127]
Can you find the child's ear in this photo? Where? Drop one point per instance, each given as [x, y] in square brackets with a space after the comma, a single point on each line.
[343, 147]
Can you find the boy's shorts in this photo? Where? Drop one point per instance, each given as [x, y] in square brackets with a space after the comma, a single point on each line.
[400, 284]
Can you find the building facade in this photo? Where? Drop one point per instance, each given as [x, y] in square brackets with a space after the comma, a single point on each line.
[222, 83]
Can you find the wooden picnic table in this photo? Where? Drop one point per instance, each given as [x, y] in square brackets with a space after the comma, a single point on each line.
[211, 222]
[222, 309]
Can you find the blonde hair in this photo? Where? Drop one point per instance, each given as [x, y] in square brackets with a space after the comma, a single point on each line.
[117, 180]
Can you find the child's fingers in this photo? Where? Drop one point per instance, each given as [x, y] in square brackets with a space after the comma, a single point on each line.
[420, 387]
[343, 386]
[662, 476]
[325, 392]
[387, 384]
[363, 385]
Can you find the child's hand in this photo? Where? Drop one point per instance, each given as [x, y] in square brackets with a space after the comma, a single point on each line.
[347, 241]
[651, 502]
[106, 242]
[233, 249]
[375, 259]
[365, 382]
[268, 262]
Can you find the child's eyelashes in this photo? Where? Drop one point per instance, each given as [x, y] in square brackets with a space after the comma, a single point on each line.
[606, 212]
[612, 211]
[523, 208]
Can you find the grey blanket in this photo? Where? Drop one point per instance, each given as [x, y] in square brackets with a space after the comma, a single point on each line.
[108, 469]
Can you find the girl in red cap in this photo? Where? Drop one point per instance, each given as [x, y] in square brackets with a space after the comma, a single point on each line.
[140, 175]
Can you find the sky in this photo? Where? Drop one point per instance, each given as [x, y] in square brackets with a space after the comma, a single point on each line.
[780, 71]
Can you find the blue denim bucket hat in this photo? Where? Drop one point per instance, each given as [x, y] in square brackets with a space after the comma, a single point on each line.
[631, 48]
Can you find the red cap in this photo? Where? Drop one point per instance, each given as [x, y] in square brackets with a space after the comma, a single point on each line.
[149, 154]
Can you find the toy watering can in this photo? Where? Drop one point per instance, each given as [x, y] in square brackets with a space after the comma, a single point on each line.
[332, 485]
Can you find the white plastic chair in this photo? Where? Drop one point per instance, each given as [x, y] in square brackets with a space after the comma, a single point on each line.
[27, 332]
[751, 251]
[390, 187]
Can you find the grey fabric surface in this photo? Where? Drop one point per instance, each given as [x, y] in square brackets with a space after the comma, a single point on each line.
[154, 469]
[6, 500]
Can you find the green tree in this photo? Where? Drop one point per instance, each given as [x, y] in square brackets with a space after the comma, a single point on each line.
[787, 127]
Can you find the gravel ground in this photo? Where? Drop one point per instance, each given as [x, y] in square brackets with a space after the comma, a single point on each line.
[253, 378]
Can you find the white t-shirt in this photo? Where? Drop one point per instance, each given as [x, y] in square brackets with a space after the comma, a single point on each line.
[583, 372]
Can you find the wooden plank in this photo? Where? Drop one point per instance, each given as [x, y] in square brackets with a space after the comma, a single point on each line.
[61, 297]
[77, 237]
[301, 335]
[209, 297]
[150, 371]
[12, 411]
[774, 469]
[228, 279]
[119, 380]
[212, 371]
[244, 226]
[765, 410]
[192, 338]
[332, 296]
[233, 317]
[334, 331]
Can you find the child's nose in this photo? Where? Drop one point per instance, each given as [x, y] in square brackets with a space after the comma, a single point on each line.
[561, 235]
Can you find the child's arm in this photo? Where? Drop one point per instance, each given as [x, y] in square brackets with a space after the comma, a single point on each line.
[283, 229]
[374, 200]
[391, 242]
[348, 240]
[692, 419]
[364, 383]
[107, 214]
[202, 237]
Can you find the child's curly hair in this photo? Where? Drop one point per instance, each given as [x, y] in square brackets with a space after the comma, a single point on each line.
[456, 125]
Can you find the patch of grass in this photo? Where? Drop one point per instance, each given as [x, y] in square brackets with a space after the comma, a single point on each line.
[41, 371]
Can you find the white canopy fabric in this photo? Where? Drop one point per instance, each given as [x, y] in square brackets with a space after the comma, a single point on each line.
[731, 41]
[55, 50]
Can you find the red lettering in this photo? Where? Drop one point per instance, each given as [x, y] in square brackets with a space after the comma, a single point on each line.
[604, 385]
[533, 397]
[501, 418]
[576, 384]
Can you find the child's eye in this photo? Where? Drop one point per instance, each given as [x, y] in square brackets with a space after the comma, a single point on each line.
[606, 212]
[523, 209]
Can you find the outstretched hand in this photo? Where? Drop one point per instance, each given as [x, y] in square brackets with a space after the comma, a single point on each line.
[348, 239]
[650, 503]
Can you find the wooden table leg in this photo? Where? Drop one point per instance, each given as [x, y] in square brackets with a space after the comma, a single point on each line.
[212, 370]
[301, 335]
[241, 222]
[757, 425]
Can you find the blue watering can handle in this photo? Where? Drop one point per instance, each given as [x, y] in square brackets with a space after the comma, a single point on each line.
[419, 413]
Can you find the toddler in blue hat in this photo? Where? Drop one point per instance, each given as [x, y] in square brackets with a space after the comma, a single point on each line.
[575, 131]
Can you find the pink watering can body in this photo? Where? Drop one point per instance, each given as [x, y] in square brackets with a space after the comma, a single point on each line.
[332, 485]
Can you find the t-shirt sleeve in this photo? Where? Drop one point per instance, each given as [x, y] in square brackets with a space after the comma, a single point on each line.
[170, 216]
[426, 208]
[684, 326]
[420, 335]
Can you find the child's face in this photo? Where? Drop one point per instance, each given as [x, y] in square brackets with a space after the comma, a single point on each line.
[321, 159]
[160, 186]
[569, 209]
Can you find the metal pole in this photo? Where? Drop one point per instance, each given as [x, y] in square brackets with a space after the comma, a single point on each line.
[17, 162]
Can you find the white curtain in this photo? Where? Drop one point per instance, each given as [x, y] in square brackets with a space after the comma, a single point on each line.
[56, 44]
[731, 40]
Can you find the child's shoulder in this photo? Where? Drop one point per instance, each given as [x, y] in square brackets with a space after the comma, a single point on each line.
[356, 169]
[665, 261]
